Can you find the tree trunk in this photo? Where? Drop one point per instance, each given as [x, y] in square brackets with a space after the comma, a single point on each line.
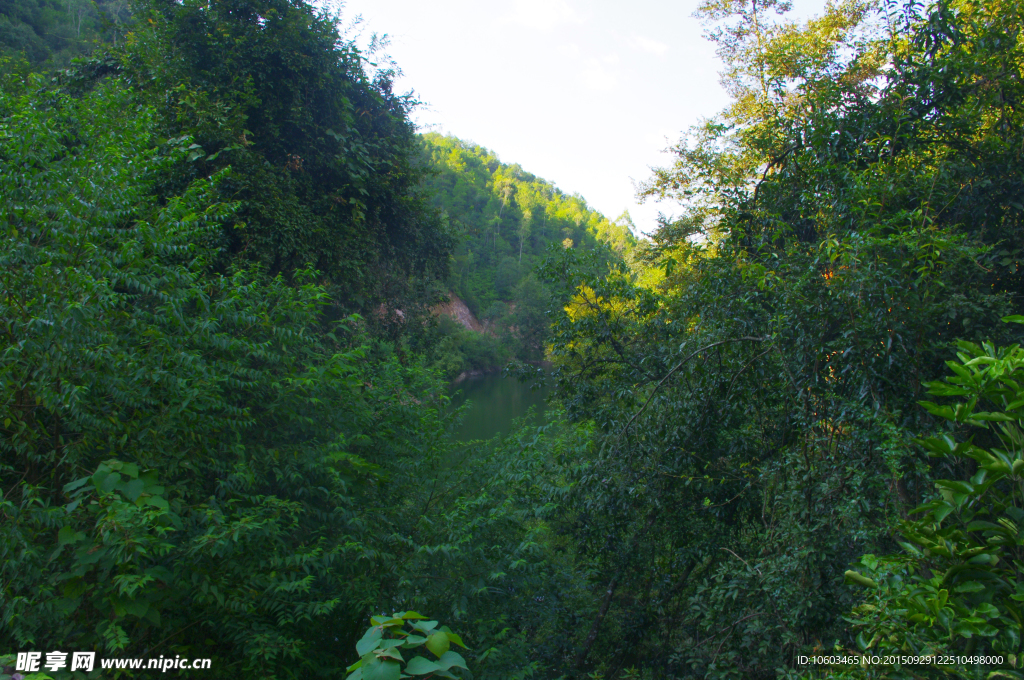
[581, 658]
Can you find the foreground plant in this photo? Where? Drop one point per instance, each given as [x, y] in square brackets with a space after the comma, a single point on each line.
[380, 649]
[957, 592]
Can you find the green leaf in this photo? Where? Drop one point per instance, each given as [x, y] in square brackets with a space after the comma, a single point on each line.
[456, 639]
[969, 587]
[413, 641]
[450, 658]
[959, 487]
[418, 665]
[158, 502]
[137, 607]
[411, 615]
[102, 472]
[71, 486]
[133, 489]
[854, 577]
[109, 482]
[67, 535]
[385, 670]
[369, 641]
[425, 626]
[993, 417]
[438, 643]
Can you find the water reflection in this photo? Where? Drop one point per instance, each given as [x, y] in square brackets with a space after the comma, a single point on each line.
[497, 401]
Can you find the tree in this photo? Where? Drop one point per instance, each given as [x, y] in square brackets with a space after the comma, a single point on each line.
[323, 156]
[524, 230]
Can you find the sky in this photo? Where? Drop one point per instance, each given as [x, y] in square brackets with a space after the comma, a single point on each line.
[586, 95]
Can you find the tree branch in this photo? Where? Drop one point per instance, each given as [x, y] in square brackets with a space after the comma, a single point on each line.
[677, 367]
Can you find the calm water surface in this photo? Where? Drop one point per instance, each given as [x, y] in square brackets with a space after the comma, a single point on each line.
[497, 401]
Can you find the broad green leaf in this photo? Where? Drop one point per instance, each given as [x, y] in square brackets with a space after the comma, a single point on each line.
[369, 641]
[137, 607]
[450, 658]
[413, 641]
[387, 669]
[133, 489]
[456, 639]
[942, 512]
[438, 643]
[426, 627]
[418, 665]
[158, 502]
[67, 535]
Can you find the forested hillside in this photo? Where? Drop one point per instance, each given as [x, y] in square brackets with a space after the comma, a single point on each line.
[508, 218]
[505, 220]
[789, 424]
[48, 34]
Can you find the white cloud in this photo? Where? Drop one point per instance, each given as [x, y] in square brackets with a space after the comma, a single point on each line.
[597, 77]
[648, 45]
[571, 50]
[542, 14]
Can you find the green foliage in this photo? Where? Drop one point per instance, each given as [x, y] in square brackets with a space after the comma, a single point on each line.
[507, 218]
[322, 151]
[201, 452]
[957, 590]
[204, 451]
[48, 34]
[452, 349]
[183, 452]
[380, 649]
[844, 222]
[471, 535]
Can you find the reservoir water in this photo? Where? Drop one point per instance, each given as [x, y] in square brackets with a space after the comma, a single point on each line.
[497, 401]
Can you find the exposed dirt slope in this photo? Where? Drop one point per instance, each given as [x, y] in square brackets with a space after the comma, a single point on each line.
[456, 309]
